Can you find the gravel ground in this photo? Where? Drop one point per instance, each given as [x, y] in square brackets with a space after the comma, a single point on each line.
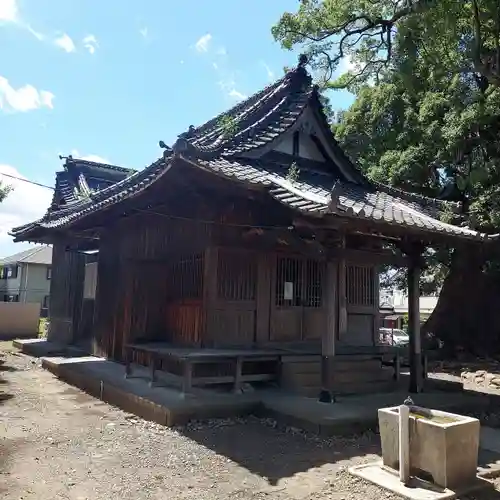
[58, 442]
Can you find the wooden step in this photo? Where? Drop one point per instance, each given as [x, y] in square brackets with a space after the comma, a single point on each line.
[309, 358]
[362, 376]
[299, 379]
[349, 365]
[287, 370]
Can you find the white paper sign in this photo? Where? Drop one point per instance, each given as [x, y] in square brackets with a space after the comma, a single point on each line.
[288, 291]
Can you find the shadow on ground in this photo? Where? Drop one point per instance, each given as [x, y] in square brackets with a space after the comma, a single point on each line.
[274, 452]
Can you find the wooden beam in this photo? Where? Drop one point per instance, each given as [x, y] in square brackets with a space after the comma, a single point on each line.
[375, 257]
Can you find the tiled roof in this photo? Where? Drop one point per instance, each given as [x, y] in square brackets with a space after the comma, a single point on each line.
[36, 255]
[222, 146]
[80, 178]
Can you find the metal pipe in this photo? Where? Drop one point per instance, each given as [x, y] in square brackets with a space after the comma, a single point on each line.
[404, 443]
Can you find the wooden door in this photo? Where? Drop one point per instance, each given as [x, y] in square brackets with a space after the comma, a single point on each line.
[297, 311]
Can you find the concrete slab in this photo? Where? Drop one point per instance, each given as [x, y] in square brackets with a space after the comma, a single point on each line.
[105, 380]
[416, 489]
[352, 414]
[37, 347]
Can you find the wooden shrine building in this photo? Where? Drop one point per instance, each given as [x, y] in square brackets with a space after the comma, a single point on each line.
[252, 233]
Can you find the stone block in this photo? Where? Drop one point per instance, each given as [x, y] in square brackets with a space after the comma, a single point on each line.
[443, 446]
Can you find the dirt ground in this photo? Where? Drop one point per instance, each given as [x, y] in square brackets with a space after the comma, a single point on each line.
[57, 442]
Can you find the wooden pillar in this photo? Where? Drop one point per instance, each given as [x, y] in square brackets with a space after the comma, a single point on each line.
[66, 292]
[342, 293]
[416, 378]
[376, 304]
[329, 336]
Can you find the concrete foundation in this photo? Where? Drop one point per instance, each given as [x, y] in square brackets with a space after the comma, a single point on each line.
[416, 489]
[444, 446]
[348, 415]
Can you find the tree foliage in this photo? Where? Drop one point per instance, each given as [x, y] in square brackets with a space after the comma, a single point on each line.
[5, 189]
[426, 77]
[376, 34]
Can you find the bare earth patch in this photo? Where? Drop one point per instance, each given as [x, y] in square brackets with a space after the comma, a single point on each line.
[58, 442]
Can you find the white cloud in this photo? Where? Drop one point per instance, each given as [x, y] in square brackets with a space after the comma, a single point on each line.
[98, 159]
[65, 42]
[219, 61]
[346, 64]
[144, 32]
[25, 98]
[9, 11]
[90, 43]
[228, 86]
[237, 95]
[269, 71]
[202, 45]
[36, 34]
[16, 210]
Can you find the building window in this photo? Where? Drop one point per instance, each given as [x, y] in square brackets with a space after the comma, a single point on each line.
[360, 285]
[299, 282]
[49, 272]
[11, 298]
[9, 272]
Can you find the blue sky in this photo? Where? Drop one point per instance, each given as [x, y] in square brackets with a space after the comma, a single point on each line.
[107, 79]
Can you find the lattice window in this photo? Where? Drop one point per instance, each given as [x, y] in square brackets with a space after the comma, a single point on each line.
[299, 282]
[313, 289]
[186, 277]
[360, 285]
[236, 275]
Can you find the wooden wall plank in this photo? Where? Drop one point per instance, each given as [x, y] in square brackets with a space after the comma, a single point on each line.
[265, 265]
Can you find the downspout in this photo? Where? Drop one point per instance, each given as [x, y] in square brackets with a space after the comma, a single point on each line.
[26, 284]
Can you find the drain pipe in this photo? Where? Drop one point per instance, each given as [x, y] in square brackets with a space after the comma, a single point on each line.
[404, 441]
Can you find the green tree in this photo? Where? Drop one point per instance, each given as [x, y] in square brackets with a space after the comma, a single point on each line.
[376, 34]
[426, 119]
[5, 189]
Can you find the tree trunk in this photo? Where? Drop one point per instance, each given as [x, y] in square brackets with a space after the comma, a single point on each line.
[467, 315]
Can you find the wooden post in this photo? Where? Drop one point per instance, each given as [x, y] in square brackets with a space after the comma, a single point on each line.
[376, 305]
[238, 375]
[187, 378]
[329, 334]
[152, 368]
[416, 380]
[342, 294]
